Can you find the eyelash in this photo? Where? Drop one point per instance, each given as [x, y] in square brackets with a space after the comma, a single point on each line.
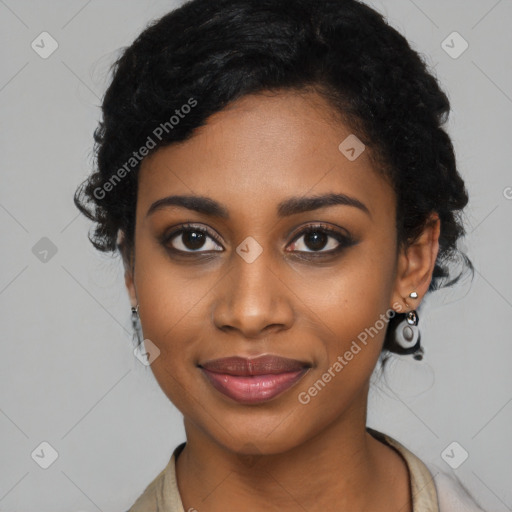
[344, 241]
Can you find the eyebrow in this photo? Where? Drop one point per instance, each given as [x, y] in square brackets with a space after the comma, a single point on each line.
[286, 208]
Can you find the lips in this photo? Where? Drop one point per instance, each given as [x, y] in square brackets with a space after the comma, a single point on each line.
[263, 365]
[252, 380]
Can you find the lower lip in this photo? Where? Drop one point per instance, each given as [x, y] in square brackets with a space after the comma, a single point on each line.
[253, 389]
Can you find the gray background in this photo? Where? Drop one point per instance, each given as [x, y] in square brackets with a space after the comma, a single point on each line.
[68, 375]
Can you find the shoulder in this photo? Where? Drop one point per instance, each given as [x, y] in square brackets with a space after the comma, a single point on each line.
[162, 492]
[432, 488]
[148, 500]
[451, 493]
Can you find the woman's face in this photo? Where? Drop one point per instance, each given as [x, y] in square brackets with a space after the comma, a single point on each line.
[257, 283]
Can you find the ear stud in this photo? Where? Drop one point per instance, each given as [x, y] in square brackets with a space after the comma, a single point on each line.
[412, 295]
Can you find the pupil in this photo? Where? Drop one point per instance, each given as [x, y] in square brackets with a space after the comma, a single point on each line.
[318, 240]
[193, 239]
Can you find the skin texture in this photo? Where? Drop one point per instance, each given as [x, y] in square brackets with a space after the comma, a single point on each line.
[281, 454]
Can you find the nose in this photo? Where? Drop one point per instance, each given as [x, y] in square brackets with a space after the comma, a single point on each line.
[252, 299]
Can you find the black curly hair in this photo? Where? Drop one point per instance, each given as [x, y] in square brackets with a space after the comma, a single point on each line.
[198, 58]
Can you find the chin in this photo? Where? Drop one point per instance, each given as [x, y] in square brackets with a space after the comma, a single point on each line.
[263, 437]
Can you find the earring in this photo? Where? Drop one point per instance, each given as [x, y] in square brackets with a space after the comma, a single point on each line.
[407, 334]
[412, 295]
[135, 324]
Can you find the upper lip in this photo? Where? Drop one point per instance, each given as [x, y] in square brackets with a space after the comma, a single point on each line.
[262, 365]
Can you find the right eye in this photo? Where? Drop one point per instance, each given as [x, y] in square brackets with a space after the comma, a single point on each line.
[190, 238]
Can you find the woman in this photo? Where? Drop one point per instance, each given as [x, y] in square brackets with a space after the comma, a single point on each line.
[276, 178]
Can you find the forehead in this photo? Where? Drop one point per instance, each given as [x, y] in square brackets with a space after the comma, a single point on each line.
[261, 149]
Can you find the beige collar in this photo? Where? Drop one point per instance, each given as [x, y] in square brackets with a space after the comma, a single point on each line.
[423, 489]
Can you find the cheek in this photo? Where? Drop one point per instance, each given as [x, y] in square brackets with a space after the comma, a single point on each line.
[172, 314]
[352, 332]
[172, 296]
[352, 297]
[351, 316]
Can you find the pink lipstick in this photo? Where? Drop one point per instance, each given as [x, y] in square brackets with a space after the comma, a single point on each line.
[253, 380]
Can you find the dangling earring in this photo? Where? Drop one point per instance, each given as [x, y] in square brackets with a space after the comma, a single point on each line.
[135, 325]
[407, 333]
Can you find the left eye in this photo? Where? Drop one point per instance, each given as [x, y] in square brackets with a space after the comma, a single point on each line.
[317, 238]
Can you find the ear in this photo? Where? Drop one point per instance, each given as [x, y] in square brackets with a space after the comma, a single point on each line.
[415, 266]
[128, 263]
